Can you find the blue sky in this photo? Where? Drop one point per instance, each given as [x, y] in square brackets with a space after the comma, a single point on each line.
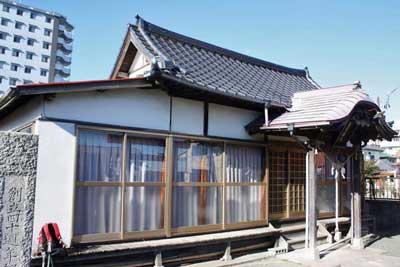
[339, 41]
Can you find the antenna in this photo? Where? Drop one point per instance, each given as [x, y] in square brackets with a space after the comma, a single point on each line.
[387, 102]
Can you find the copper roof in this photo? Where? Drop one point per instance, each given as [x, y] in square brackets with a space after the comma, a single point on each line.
[321, 107]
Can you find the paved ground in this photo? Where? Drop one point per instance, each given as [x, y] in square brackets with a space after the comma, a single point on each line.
[384, 251]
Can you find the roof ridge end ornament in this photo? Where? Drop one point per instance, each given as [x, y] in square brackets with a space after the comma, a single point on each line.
[161, 61]
[308, 76]
[357, 85]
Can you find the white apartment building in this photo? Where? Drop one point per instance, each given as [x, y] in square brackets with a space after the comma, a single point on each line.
[35, 45]
[393, 147]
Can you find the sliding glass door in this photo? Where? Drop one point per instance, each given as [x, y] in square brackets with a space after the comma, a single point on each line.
[142, 185]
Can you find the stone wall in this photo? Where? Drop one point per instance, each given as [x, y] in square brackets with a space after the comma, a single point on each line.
[386, 213]
[18, 160]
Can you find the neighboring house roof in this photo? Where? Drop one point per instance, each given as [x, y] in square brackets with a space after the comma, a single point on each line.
[385, 165]
[214, 69]
[321, 107]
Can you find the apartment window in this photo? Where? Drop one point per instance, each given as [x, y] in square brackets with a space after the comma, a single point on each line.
[48, 19]
[33, 15]
[27, 82]
[2, 63]
[46, 45]
[14, 67]
[43, 72]
[47, 32]
[32, 28]
[2, 35]
[1, 79]
[28, 69]
[6, 8]
[18, 25]
[45, 58]
[20, 12]
[16, 52]
[2, 50]
[29, 55]
[17, 39]
[4, 21]
[31, 41]
[13, 81]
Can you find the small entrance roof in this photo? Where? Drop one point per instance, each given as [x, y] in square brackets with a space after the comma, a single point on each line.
[345, 111]
[322, 107]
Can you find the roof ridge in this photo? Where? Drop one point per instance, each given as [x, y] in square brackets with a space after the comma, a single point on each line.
[217, 49]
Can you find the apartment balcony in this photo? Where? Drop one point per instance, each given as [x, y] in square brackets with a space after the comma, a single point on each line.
[63, 56]
[62, 70]
[59, 78]
[63, 61]
[68, 40]
[67, 45]
[66, 49]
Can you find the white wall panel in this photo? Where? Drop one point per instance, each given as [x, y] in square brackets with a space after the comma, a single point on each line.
[187, 116]
[24, 114]
[55, 178]
[228, 121]
[125, 107]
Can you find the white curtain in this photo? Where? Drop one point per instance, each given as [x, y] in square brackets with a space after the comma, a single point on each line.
[97, 209]
[145, 163]
[243, 165]
[196, 162]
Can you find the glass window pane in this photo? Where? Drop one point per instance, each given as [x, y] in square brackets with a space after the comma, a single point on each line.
[97, 210]
[197, 161]
[99, 156]
[193, 206]
[244, 203]
[144, 208]
[145, 160]
[245, 164]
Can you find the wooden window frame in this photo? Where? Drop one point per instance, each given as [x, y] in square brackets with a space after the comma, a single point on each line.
[167, 230]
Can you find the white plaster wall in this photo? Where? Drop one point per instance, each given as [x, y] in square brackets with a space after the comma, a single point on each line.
[125, 107]
[227, 121]
[140, 66]
[25, 114]
[55, 178]
[187, 116]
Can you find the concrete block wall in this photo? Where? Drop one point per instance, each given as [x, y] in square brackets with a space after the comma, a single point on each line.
[18, 161]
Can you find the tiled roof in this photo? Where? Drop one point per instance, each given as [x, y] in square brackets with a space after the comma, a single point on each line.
[322, 107]
[217, 69]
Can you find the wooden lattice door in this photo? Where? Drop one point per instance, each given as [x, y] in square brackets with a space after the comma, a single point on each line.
[278, 183]
[297, 180]
[287, 173]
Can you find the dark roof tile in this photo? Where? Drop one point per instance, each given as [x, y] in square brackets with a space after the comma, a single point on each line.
[220, 69]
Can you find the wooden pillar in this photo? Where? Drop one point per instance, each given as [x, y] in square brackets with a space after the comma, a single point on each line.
[311, 207]
[356, 215]
[338, 234]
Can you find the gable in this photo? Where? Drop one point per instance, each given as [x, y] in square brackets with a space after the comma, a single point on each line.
[140, 66]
